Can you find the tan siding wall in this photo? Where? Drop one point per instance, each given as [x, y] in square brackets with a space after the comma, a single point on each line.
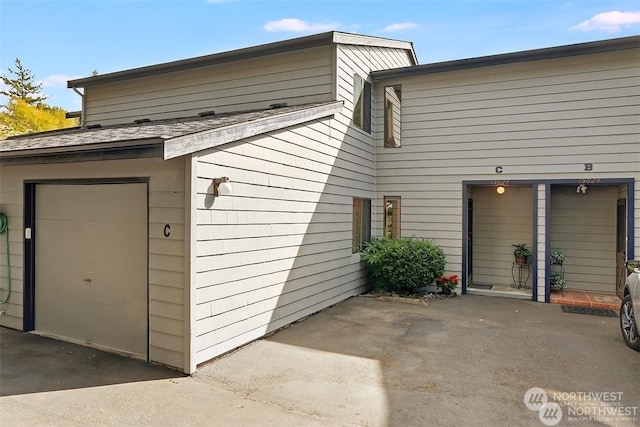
[538, 120]
[499, 221]
[583, 227]
[166, 255]
[298, 77]
[279, 247]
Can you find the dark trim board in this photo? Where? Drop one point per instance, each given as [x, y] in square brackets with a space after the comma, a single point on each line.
[28, 317]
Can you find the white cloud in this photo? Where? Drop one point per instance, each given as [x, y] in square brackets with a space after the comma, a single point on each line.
[399, 27]
[609, 21]
[298, 26]
[56, 80]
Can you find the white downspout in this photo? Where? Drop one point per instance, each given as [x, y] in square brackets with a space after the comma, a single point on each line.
[82, 109]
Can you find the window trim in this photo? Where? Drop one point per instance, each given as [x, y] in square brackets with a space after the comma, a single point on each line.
[393, 116]
[396, 217]
[362, 90]
[361, 224]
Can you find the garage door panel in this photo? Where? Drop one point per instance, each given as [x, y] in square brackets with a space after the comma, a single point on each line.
[91, 264]
[110, 203]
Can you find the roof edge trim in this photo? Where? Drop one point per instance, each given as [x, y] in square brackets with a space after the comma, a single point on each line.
[601, 46]
[98, 146]
[189, 144]
[363, 40]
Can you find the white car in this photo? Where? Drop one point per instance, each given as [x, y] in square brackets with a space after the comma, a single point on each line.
[630, 306]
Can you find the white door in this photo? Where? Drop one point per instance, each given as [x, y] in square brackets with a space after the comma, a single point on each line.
[91, 264]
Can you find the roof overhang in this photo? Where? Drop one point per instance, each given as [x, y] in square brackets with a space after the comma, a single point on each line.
[188, 144]
[322, 39]
[164, 139]
[133, 149]
[601, 46]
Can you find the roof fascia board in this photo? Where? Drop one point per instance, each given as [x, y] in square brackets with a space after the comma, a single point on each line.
[213, 59]
[602, 46]
[140, 152]
[96, 147]
[188, 144]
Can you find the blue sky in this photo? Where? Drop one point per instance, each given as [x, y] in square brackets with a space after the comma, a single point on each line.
[60, 40]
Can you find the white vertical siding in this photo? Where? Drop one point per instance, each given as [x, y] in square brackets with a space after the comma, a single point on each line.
[166, 255]
[539, 120]
[279, 247]
[297, 77]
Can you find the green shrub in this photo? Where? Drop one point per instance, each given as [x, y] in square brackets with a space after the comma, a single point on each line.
[403, 264]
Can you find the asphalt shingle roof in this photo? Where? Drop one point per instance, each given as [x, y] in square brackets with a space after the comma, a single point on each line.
[160, 130]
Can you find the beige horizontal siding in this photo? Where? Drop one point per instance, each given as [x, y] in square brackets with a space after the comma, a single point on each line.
[537, 120]
[166, 255]
[583, 227]
[297, 77]
[279, 247]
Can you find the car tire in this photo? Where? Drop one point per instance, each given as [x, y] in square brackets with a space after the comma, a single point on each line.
[628, 324]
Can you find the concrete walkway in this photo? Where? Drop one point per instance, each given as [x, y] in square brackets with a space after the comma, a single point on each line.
[365, 362]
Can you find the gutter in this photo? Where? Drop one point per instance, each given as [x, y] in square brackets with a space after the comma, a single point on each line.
[601, 46]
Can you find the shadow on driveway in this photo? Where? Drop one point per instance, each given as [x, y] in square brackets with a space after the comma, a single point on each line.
[31, 364]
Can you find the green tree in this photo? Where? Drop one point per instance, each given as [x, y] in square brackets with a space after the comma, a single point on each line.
[20, 118]
[22, 85]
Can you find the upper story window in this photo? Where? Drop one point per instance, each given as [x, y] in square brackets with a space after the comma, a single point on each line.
[361, 103]
[392, 116]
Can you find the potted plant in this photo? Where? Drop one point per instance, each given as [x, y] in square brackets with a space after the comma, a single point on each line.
[556, 256]
[557, 280]
[447, 283]
[521, 252]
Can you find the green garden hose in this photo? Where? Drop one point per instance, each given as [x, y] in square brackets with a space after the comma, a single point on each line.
[4, 228]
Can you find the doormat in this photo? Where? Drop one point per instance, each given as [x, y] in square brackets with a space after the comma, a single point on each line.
[589, 310]
[481, 286]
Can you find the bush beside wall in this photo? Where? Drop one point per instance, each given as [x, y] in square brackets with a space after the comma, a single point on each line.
[403, 265]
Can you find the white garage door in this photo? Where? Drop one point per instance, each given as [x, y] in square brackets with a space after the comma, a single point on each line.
[91, 264]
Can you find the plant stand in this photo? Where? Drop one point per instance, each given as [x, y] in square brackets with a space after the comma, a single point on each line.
[557, 267]
[520, 273]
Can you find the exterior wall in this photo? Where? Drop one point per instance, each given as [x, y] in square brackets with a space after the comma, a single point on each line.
[166, 255]
[279, 247]
[538, 121]
[499, 221]
[583, 227]
[297, 77]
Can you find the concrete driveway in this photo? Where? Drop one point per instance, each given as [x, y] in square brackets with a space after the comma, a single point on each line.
[365, 362]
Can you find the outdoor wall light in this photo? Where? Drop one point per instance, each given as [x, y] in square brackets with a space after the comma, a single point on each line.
[221, 186]
[500, 189]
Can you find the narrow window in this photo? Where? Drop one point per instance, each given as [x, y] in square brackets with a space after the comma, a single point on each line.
[361, 103]
[392, 116]
[392, 217]
[361, 224]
